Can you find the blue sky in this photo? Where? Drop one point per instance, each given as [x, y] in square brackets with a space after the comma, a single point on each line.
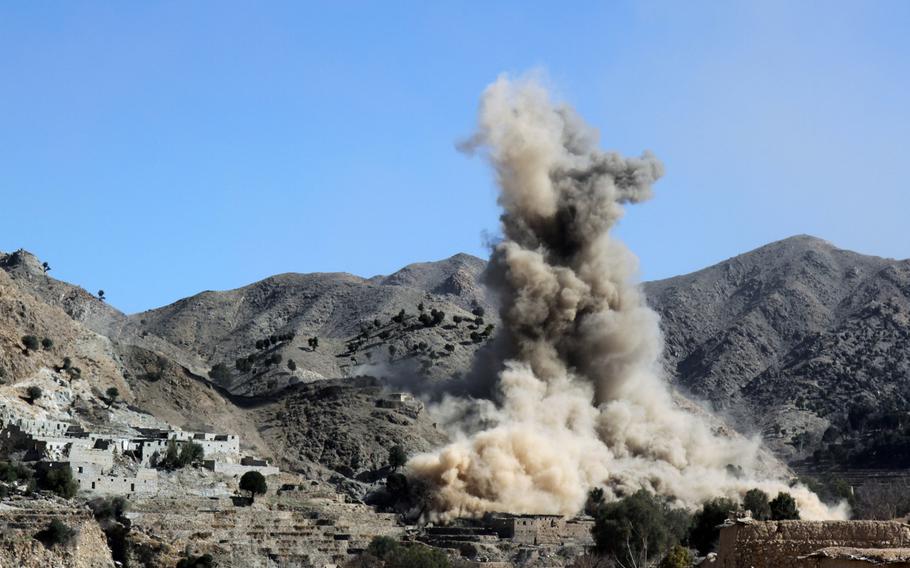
[158, 149]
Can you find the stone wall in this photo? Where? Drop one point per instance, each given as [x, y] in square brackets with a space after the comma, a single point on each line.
[541, 529]
[144, 483]
[255, 537]
[19, 548]
[787, 544]
[237, 470]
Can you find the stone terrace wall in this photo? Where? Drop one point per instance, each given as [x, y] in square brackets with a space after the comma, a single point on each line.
[261, 538]
[779, 544]
[19, 549]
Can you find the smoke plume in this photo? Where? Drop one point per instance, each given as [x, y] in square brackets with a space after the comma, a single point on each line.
[581, 402]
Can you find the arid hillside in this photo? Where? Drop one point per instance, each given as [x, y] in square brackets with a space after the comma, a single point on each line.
[798, 340]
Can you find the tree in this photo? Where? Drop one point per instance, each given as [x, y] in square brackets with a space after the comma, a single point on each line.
[57, 479]
[220, 372]
[292, 366]
[33, 393]
[101, 295]
[756, 501]
[275, 359]
[171, 456]
[595, 501]
[704, 532]
[47, 343]
[478, 311]
[397, 457]
[449, 347]
[67, 363]
[190, 453]
[112, 393]
[244, 364]
[45, 267]
[30, 342]
[254, 483]
[56, 532]
[783, 508]
[638, 529]
[313, 342]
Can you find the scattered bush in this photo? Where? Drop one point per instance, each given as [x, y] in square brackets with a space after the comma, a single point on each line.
[244, 364]
[33, 393]
[112, 394]
[220, 372]
[313, 342]
[56, 533]
[397, 457]
[107, 508]
[30, 342]
[204, 561]
[254, 482]
[275, 359]
[47, 343]
[292, 366]
[449, 347]
[67, 364]
[478, 311]
[101, 295]
[153, 376]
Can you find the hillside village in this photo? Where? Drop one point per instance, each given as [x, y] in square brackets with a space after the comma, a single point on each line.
[134, 432]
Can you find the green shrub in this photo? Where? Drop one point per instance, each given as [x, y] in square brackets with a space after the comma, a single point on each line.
[47, 343]
[397, 457]
[678, 557]
[57, 479]
[112, 393]
[56, 533]
[220, 372]
[292, 366]
[30, 342]
[33, 393]
[203, 561]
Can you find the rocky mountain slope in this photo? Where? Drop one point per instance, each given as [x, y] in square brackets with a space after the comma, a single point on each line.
[790, 337]
[799, 340]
